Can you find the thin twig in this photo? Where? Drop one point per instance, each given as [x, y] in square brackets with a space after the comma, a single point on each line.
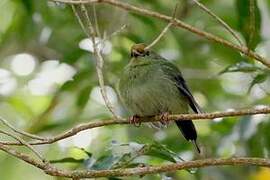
[218, 19]
[138, 171]
[32, 136]
[180, 117]
[77, 174]
[96, 21]
[45, 166]
[79, 19]
[159, 36]
[23, 143]
[163, 31]
[177, 23]
[99, 61]
[121, 29]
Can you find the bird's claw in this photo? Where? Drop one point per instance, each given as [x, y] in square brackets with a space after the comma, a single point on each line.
[164, 118]
[135, 120]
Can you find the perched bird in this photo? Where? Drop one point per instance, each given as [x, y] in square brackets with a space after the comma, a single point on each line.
[151, 85]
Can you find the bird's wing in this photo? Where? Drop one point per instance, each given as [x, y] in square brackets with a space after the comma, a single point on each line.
[175, 75]
[182, 86]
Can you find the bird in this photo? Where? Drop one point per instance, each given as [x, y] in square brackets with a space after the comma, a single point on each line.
[151, 85]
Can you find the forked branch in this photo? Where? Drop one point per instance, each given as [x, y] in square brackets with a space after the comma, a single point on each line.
[54, 171]
[179, 117]
[177, 23]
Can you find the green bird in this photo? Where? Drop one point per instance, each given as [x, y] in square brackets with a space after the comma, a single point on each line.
[151, 85]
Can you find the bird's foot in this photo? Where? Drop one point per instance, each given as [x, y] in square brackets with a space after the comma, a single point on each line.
[164, 118]
[135, 120]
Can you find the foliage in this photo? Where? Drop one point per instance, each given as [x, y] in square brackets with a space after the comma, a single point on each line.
[62, 89]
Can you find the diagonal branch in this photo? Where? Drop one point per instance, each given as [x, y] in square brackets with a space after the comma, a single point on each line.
[163, 32]
[178, 23]
[218, 19]
[173, 167]
[179, 117]
[99, 59]
[138, 171]
[32, 136]
[23, 143]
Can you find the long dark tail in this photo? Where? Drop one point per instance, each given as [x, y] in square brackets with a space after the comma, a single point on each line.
[188, 130]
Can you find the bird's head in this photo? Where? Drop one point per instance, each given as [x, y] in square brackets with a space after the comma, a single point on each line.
[138, 50]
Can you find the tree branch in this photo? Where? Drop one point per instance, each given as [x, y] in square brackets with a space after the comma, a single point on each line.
[91, 125]
[163, 32]
[23, 143]
[218, 19]
[5, 122]
[178, 23]
[172, 167]
[97, 53]
[138, 171]
[53, 171]
[45, 166]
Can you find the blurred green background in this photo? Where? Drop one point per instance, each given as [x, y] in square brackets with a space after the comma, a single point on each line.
[48, 84]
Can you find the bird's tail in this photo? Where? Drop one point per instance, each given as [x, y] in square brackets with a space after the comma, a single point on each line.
[188, 130]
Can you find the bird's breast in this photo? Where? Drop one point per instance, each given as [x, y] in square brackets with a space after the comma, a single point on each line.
[149, 91]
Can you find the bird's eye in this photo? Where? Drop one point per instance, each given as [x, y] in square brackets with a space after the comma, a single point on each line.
[136, 53]
[139, 50]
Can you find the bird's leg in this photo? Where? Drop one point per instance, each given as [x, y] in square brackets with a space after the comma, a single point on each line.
[135, 120]
[164, 118]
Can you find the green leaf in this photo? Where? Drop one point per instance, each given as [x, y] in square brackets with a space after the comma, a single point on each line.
[83, 97]
[161, 151]
[260, 78]
[67, 160]
[105, 162]
[249, 21]
[86, 152]
[127, 152]
[240, 67]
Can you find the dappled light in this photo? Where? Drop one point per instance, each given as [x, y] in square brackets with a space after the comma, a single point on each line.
[95, 89]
